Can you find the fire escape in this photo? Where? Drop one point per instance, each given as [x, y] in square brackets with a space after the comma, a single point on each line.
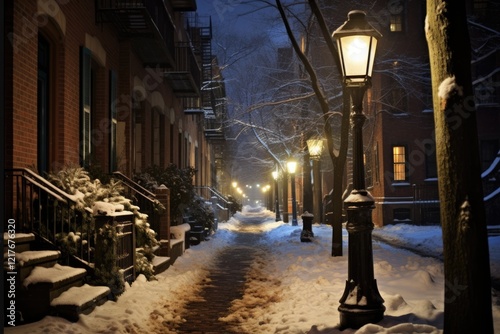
[149, 27]
[212, 92]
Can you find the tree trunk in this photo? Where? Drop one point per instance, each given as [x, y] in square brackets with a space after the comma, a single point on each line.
[465, 241]
[339, 160]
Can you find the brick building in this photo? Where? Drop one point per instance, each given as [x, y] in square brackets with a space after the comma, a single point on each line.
[114, 85]
[400, 160]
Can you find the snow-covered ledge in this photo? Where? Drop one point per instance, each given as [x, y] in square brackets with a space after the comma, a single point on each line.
[178, 234]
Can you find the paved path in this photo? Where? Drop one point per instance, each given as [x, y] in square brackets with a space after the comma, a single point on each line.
[225, 283]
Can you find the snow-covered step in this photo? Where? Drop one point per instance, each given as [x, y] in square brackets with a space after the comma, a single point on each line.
[21, 241]
[79, 300]
[45, 284]
[55, 276]
[160, 264]
[27, 260]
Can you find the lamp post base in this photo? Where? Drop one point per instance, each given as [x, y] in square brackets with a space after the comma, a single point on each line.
[361, 302]
[307, 233]
[356, 317]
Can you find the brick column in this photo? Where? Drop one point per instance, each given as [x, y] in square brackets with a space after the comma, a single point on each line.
[163, 196]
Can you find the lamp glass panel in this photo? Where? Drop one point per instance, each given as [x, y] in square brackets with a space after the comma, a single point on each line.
[315, 146]
[356, 50]
[291, 166]
[372, 56]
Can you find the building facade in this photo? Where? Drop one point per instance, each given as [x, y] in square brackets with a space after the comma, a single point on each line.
[400, 147]
[113, 85]
[399, 142]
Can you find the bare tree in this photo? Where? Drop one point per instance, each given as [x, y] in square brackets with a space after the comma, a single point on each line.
[465, 242]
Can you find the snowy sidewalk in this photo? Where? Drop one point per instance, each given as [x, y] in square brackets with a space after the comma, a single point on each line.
[295, 288]
[224, 284]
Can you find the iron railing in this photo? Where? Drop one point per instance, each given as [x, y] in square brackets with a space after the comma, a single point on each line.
[220, 204]
[143, 198]
[51, 214]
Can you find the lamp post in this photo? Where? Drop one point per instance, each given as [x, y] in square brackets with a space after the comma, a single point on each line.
[315, 148]
[291, 165]
[276, 195]
[361, 302]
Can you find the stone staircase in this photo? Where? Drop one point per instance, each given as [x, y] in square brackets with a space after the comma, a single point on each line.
[45, 287]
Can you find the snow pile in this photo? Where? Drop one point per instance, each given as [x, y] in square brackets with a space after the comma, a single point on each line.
[424, 239]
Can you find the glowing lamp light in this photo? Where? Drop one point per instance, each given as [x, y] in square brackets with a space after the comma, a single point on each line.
[357, 44]
[291, 166]
[315, 148]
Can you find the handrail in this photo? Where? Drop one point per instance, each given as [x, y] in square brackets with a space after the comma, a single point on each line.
[493, 167]
[145, 199]
[216, 193]
[56, 196]
[221, 206]
[49, 212]
[44, 182]
[135, 186]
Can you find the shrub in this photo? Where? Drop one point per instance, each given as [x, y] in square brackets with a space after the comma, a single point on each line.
[178, 180]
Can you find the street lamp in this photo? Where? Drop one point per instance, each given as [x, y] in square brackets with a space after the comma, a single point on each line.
[276, 195]
[361, 302]
[291, 166]
[315, 148]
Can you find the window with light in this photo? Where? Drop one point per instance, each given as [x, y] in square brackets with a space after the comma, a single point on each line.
[399, 163]
[396, 23]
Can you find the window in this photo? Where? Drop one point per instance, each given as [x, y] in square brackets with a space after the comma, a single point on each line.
[85, 105]
[43, 96]
[138, 111]
[399, 163]
[113, 122]
[171, 140]
[155, 137]
[179, 149]
[396, 23]
[396, 10]
[368, 168]
[197, 165]
[398, 100]
[375, 152]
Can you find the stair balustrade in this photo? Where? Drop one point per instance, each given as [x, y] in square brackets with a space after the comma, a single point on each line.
[143, 198]
[220, 203]
[54, 216]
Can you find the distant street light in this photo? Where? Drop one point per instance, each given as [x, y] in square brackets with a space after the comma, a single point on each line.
[276, 195]
[292, 167]
[315, 148]
[361, 302]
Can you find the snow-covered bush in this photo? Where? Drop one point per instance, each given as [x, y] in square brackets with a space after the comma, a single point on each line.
[201, 212]
[143, 264]
[86, 192]
[106, 272]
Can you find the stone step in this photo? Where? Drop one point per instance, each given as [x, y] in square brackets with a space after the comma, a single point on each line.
[27, 260]
[44, 285]
[79, 300]
[22, 241]
[160, 264]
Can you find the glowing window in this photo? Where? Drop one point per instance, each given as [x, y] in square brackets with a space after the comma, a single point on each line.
[399, 163]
